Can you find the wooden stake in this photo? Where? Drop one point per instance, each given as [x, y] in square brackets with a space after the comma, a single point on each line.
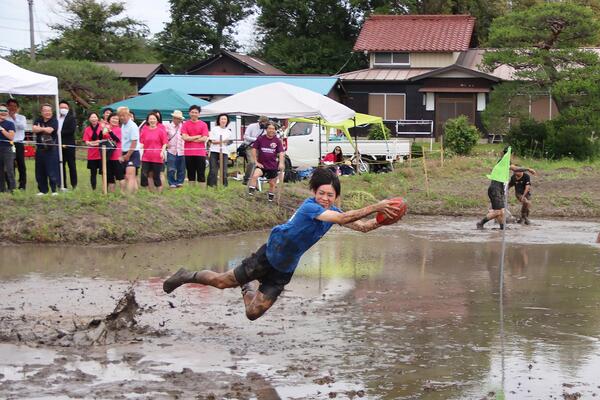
[220, 161]
[442, 152]
[104, 172]
[425, 170]
[280, 179]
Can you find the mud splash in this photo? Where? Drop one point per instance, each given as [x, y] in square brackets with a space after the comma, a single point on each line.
[118, 327]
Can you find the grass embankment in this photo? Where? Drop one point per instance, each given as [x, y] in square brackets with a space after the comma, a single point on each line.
[562, 189]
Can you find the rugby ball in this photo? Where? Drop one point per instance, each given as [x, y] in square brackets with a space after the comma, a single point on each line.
[382, 219]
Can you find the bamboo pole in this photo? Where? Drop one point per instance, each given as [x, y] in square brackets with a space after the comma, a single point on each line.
[104, 172]
[280, 179]
[425, 170]
[220, 161]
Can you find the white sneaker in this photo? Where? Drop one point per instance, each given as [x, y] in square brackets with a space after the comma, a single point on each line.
[41, 194]
[54, 194]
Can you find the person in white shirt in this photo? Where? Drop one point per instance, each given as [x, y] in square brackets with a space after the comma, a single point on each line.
[250, 134]
[20, 125]
[220, 138]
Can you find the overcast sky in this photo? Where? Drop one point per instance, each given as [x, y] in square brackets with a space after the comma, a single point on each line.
[14, 22]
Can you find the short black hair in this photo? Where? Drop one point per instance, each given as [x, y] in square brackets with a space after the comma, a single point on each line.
[157, 114]
[9, 101]
[107, 109]
[325, 176]
[222, 115]
[64, 102]
[194, 107]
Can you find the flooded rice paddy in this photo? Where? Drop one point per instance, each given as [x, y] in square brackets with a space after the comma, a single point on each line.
[410, 311]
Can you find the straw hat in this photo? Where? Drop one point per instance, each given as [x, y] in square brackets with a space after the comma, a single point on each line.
[177, 114]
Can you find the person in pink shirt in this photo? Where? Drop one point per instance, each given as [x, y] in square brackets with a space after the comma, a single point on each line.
[154, 140]
[195, 135]
[112, 132]
[92, 134]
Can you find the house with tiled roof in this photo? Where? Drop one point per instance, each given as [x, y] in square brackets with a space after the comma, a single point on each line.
[422, 72]
[230, 63]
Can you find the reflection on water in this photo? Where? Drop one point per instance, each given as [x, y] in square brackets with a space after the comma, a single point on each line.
[407, 313]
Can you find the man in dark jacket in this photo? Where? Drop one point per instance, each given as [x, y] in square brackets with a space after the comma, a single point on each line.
[67, 125]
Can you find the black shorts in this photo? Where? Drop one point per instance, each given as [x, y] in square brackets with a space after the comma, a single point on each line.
[496, 195]
[115, 172]
[257, 267]
[269, 173]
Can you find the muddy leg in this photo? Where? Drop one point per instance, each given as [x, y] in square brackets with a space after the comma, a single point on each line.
[210, 278]
[256, 303]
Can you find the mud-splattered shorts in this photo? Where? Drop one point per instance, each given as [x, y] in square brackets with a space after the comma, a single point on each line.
[257, 267]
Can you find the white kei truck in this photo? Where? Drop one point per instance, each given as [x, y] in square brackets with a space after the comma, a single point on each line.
[302, 141]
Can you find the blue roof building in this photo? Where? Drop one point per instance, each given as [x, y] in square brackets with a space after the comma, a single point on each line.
[215, 87]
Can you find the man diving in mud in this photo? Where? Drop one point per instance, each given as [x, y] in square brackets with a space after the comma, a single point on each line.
[274, 263]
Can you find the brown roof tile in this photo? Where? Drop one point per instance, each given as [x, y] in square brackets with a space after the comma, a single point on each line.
[415, 33]
[382, 74]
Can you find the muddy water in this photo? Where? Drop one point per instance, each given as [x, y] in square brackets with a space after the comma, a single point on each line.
[405, 312]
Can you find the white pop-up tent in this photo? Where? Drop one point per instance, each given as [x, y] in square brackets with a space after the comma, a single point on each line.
[280, 100]
[17, 80]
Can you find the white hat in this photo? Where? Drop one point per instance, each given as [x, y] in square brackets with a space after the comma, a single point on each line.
[177, 114]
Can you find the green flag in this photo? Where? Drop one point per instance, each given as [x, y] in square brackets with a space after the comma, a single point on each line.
[501, 171]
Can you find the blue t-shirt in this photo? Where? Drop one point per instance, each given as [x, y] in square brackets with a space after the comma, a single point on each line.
[287, 242]
[9, 126]
[129, 132]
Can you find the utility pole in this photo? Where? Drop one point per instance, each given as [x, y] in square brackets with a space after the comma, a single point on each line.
[31, 38]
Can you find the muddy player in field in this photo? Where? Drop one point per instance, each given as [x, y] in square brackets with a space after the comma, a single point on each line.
[274, 263]
[522, 184]
[496, 196]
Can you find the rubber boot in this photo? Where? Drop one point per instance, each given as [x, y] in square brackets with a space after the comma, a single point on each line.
[179, 278]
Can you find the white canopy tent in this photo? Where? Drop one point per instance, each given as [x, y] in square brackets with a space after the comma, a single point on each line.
[280, 100]
[17, 80]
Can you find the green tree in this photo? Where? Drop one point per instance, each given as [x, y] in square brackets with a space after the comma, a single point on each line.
[199, 28]
[83, 82]
[545, 46]
[308, 36]
[95, 31]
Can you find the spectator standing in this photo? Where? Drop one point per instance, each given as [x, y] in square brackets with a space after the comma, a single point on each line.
[46, 155]
[7, 151]
[220, 139]
[252, 132]
[130, 159]
[67, 125]
[20, 125]
[154, 141]
[113, 133]
[92, 135]
[269, 155]
[194, 133]
[175, 151]
[106, 113]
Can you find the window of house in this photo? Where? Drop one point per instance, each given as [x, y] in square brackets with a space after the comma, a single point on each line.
[389, 106]
[392, 59]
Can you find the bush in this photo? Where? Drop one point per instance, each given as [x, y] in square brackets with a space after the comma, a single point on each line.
[528, 138]
[576, 139]
[459, 136]
[377, 133]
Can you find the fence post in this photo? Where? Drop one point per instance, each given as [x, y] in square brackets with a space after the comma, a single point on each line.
[442, 151]
[104, 172]
[220, 161]
[425, 170]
